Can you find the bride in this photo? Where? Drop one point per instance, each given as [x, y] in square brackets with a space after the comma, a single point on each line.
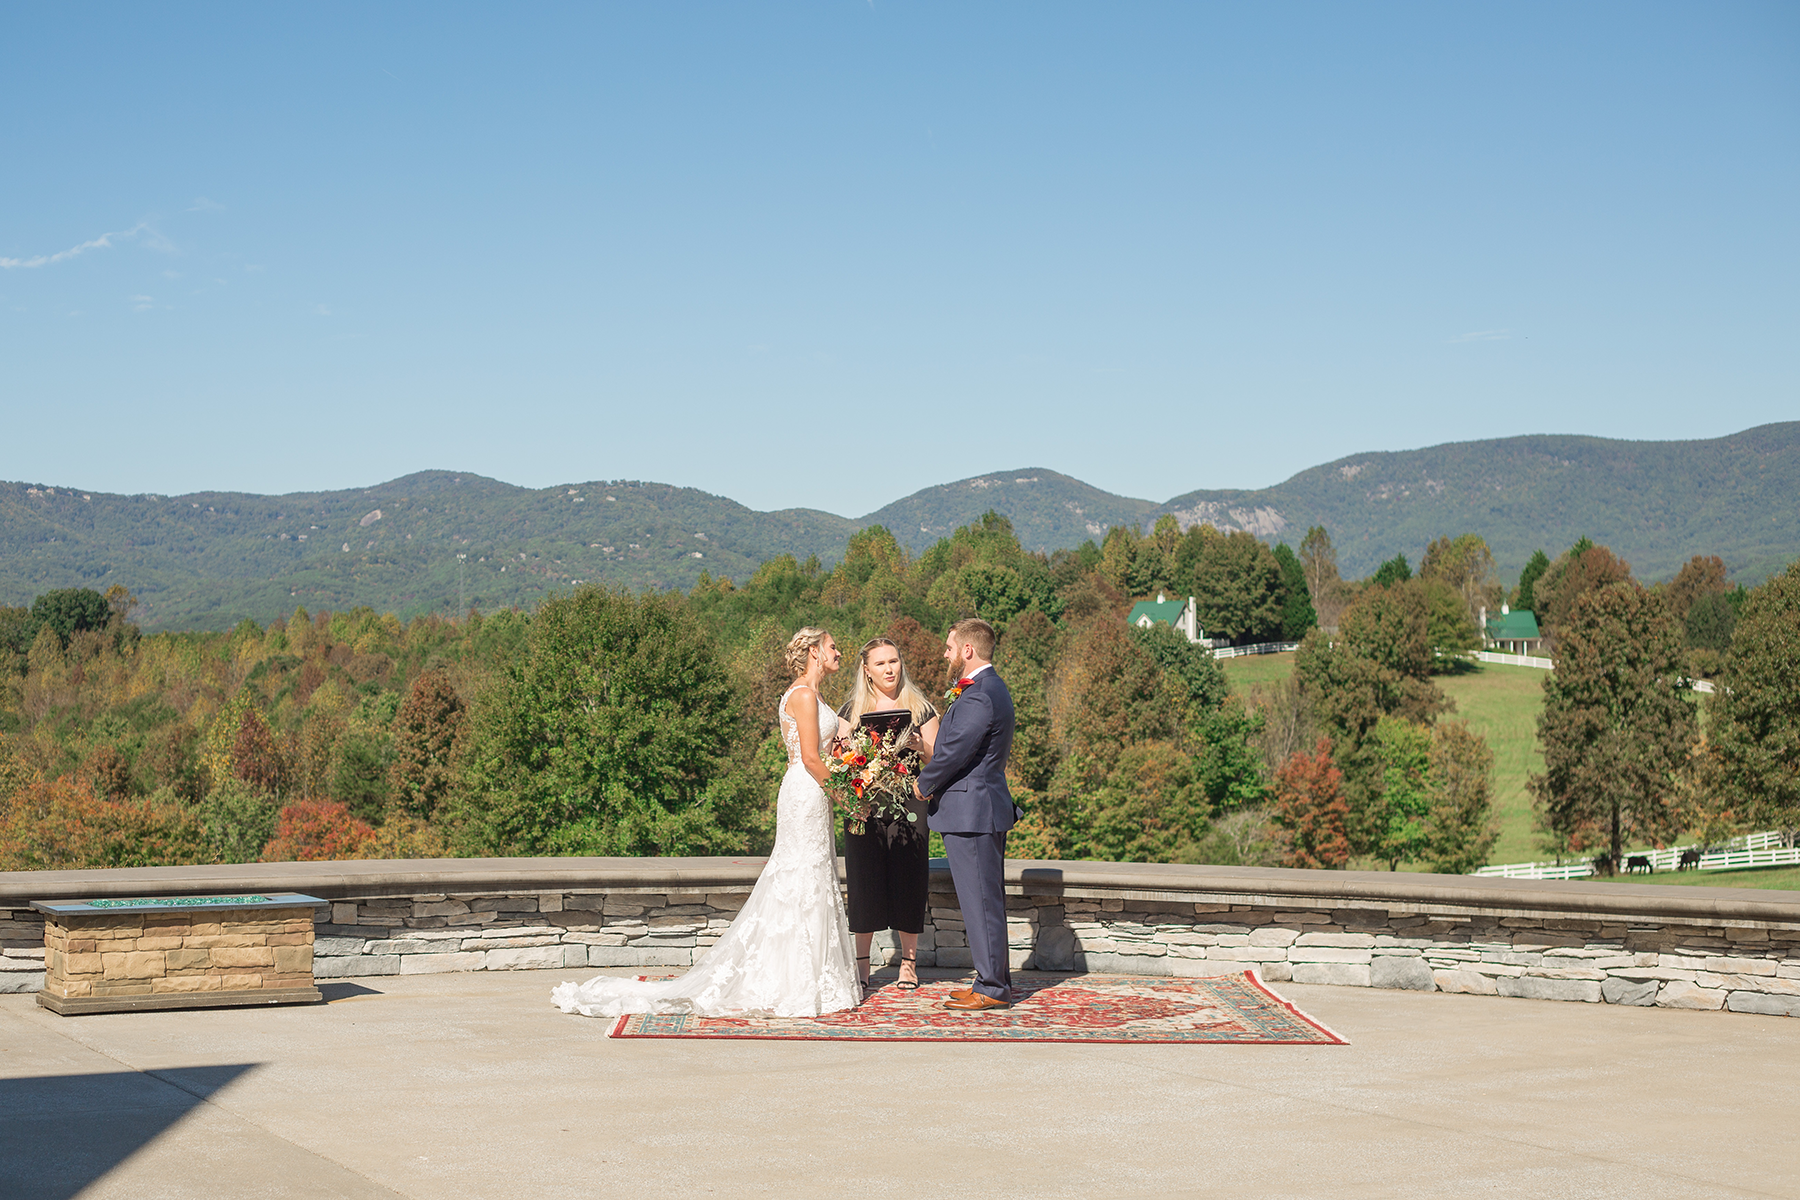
[788, 952]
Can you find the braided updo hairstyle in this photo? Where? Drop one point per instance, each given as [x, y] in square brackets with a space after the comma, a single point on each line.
[800, 647]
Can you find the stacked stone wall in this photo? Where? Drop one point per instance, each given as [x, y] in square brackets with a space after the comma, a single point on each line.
[21, 950]
[1671, 961]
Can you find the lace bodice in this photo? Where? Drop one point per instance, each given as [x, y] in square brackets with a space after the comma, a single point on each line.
[790, 732]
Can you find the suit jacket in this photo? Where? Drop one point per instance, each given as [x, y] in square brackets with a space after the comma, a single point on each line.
[966, 777]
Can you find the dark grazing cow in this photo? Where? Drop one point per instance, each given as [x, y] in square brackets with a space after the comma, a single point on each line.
[1637, 861]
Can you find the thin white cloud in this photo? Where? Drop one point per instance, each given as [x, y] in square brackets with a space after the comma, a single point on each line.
[202, 204]
[104, 241]
[1484, 335]
[323, 310]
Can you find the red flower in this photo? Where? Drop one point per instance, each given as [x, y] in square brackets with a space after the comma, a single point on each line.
[862, 760]
[963, 683]
[875, 737]
[899, 768]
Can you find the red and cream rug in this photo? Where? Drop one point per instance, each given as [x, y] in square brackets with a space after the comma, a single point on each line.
[1229, 1009]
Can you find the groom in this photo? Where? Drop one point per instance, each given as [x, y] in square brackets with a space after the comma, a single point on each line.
[972, 807]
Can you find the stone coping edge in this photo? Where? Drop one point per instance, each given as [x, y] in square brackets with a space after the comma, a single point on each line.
[1256, 886]
[251, 998]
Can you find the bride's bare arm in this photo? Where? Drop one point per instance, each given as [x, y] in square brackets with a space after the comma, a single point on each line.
[803, 707]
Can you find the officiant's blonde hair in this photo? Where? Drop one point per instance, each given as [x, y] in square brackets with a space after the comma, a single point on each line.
[864, 697]
[800, 648]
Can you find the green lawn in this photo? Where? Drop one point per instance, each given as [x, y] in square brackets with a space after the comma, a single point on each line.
[1245, 673]
[1501, 704]
[1778, 878]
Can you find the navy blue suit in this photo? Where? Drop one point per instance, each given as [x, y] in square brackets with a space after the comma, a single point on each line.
[973, 808]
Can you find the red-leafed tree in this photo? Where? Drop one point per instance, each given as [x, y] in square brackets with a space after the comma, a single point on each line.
[1310, 806]
[316, 831]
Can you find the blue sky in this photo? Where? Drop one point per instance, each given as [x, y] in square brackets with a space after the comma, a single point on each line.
[827, 254]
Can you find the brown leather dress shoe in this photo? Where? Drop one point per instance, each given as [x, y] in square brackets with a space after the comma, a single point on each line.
[976, 1003]
[962, 993]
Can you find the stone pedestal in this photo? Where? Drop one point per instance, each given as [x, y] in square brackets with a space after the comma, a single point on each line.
[177, 952]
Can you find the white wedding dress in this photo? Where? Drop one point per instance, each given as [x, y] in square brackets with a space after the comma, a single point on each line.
[788, 953]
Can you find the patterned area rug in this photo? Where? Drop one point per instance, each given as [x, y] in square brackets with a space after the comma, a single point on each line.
[1232, 1009]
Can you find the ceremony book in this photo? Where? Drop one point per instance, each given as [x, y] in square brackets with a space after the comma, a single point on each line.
[887, 721]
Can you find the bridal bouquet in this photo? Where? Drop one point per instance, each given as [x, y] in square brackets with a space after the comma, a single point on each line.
[872, 776]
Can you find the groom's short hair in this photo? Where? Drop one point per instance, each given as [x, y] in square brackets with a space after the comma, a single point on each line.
[977, 633]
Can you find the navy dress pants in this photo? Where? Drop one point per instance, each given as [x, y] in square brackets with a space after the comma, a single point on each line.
[977, 867]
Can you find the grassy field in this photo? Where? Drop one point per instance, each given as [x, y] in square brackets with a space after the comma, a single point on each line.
[1245, 673]
[1779, 878]
[1502, 704]
[1499, 703]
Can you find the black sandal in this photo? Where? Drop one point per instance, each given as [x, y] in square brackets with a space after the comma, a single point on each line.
[909, 985]
[867, 987]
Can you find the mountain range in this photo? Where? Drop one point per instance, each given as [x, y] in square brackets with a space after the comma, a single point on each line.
[438, 541]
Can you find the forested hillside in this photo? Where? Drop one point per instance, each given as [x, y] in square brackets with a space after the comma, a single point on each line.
[208, 560]
[211, 559]
[1654, 503]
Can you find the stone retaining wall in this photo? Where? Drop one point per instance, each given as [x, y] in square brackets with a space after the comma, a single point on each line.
[1597, 943]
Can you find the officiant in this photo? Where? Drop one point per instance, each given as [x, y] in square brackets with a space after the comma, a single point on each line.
[888, 863]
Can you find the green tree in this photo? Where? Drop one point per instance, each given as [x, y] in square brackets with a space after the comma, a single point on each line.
[1616, 728]
[1230, 767]
[1711, 621]
[70, 611]
[1378, 666]
[607, 735]
[1450, 629]
[1238, 590]
[1188, 664]
[1460, 831]
[1524, 597]
[1394, 570]
[1755, 735]
[238, 820]
[1466, 566]
[1148, 808]
[1297, 612]
[1403, 751]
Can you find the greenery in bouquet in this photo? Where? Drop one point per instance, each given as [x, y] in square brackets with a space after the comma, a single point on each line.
[871, 777]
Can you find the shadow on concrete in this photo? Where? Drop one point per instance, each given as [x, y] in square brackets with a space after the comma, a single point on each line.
[346, 991]
[64, 1132]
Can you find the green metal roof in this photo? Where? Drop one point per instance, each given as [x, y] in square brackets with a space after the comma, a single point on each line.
[1168, 611]
[1520, 625]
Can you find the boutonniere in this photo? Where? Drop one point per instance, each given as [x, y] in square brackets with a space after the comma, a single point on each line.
[955, 691]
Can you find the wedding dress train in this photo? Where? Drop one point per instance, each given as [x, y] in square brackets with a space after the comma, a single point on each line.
[788, 952]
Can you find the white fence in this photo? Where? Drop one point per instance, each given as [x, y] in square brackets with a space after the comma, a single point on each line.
[1514, 660]
[1768, 849]
[1545, 664]
[1259, 648]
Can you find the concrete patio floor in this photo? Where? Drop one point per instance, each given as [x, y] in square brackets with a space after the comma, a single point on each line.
[474, 1086]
